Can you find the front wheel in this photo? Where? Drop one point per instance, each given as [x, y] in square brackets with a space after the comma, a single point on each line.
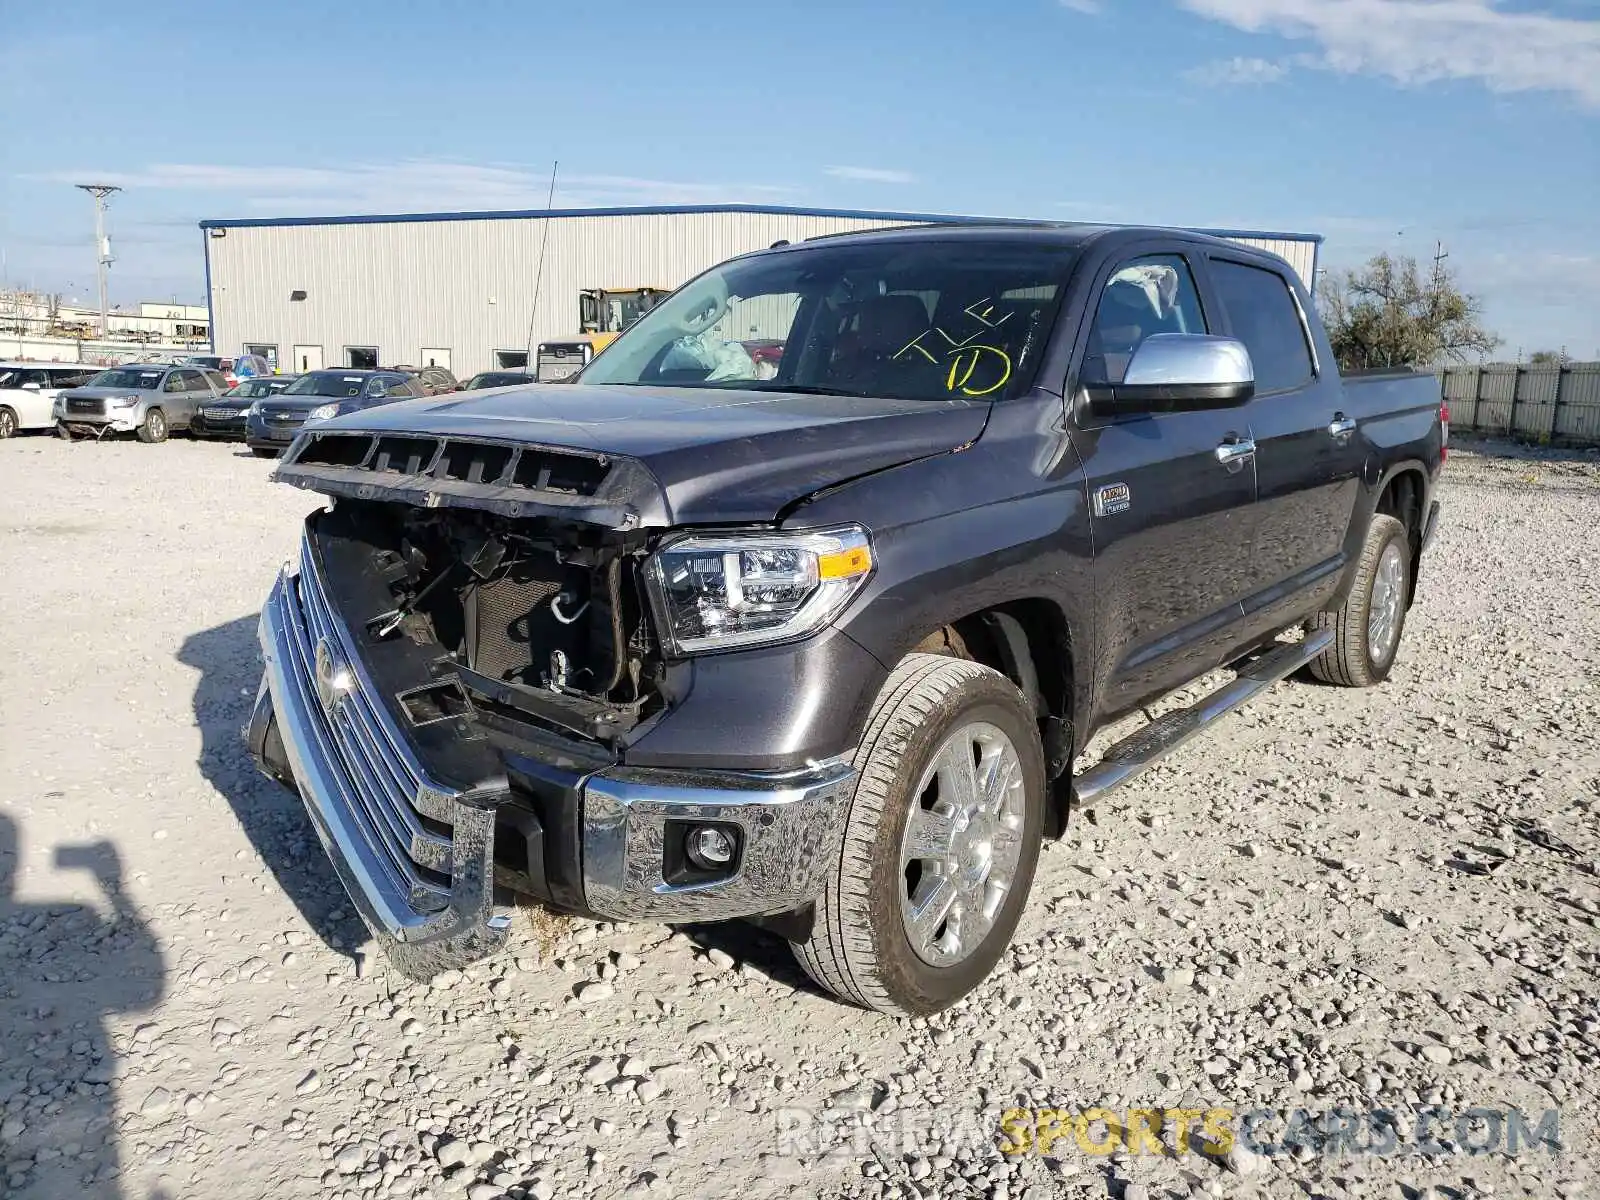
[940, 842]
[1366, 630]
[154, 426]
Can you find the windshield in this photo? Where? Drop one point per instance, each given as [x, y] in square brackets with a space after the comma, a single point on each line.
[250, 389]
[490, 379]
[907, 319]
[127, 377]
[326, 383]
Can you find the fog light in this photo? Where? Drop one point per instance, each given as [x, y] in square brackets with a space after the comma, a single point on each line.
[708, 847]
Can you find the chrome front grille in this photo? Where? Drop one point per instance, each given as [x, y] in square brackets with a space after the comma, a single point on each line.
[80, 407]
[388, 790]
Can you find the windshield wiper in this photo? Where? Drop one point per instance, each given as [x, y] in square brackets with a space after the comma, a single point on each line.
[800, 389]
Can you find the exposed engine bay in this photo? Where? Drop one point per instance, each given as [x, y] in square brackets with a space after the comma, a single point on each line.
[536, 619]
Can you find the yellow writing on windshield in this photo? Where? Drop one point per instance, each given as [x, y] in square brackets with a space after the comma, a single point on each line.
[971, 356]
[967, 354]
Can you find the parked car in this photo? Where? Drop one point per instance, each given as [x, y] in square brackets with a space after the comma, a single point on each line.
[225, 417]
[28, 392]
[489, 379]
[678, 643]
[436, 381]
[272, 423]
[232, 367]
[151, 401]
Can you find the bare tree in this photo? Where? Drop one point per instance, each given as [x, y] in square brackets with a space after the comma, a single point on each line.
[1389, 314]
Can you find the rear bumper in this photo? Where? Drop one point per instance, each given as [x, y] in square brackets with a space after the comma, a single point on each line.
[429, 898]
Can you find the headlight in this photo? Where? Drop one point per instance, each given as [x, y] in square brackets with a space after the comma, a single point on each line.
[253, 409]
[122, 401]
[323, 412]
[721, 592]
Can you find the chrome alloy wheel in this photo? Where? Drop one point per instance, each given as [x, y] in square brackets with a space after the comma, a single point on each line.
[1388, 598]
[962, 843]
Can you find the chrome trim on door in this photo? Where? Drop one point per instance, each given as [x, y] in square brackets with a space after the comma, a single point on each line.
[1341, 426]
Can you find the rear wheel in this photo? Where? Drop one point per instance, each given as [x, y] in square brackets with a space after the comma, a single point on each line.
[8, 423]
[1366, 630]
[154, 426]
[940, 842]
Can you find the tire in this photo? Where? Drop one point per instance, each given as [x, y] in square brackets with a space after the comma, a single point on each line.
[154, 426]
[1363, 647]
[63, 432]
[860, 947]
[263, 452]
[8, 423]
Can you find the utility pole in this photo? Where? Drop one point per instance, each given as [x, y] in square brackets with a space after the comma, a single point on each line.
[102, 247]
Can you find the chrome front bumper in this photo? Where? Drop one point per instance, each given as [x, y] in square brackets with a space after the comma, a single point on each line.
[367, 795]
[428, 895]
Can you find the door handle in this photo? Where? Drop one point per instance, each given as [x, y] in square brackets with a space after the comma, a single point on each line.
[1341, 426]
[1235, 452]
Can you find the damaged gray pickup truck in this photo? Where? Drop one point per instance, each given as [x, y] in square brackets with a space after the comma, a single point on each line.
[815, 641]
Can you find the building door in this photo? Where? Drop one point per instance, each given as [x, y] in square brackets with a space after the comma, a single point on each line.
[436, 356]
[307, 358]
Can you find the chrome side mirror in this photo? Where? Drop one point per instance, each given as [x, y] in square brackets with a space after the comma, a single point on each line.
[1180, 372]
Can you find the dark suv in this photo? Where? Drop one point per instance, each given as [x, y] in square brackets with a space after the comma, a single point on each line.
[273, 422]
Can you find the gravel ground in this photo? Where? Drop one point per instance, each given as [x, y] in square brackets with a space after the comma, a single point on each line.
[1375, 900]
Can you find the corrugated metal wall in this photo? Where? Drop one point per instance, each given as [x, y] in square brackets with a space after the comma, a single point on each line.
[467, 285]
[1542, 404]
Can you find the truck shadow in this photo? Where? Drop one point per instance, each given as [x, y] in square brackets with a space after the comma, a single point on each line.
[272, 817]
[64, 969]
[760, 948]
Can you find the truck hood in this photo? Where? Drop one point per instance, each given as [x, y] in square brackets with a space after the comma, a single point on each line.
[708, 455]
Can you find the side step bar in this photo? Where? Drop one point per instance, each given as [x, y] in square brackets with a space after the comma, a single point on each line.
[1146, 746]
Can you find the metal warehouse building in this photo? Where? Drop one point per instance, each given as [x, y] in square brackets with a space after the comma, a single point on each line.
[457, 289]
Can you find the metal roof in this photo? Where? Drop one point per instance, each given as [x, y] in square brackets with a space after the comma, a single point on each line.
[668, 210]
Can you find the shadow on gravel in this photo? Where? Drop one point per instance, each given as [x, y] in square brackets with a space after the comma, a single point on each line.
[761, 948]
[271, 816]
[64, 968]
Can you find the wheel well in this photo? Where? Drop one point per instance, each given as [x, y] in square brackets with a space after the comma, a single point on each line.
[1030, 643]
[1402, 499]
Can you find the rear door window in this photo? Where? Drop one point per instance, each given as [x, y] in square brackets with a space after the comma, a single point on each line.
[1263, 314]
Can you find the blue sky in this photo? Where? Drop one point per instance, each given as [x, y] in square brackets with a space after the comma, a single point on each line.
[1383, 124]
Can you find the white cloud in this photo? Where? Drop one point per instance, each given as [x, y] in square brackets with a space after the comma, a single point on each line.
[1090, 7]
[870, 174]
[1424, 41]
[417, 185]
[1236, 72]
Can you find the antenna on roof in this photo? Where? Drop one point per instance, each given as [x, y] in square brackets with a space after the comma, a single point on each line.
[538, 274]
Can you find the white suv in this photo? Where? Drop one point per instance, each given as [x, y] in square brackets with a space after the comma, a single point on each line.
[28, 389]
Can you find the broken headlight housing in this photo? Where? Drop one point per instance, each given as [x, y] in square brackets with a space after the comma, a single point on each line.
[726, 591]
